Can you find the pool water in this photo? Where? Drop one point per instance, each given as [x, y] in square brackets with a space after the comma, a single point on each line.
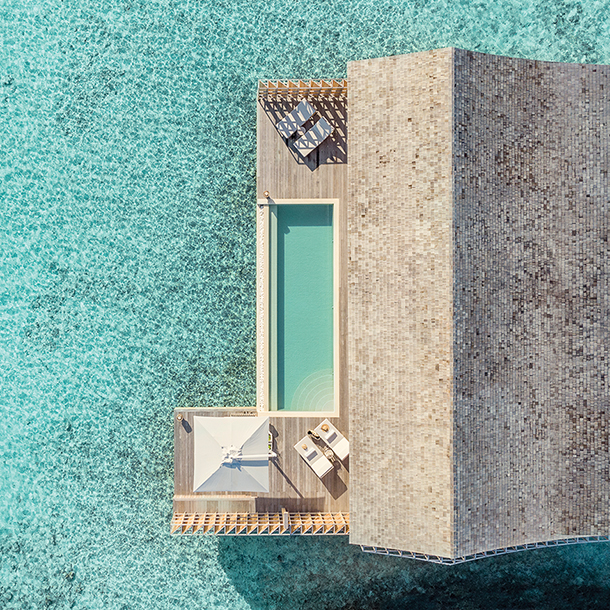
[127, 275]
[301, 307]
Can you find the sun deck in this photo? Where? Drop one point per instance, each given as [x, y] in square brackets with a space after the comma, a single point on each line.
[298, 501]
[293, 486]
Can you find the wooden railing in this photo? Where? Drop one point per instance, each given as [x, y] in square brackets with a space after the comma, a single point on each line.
[261, 524]
[291, 88]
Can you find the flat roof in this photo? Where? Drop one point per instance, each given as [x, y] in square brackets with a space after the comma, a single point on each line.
[479, 275]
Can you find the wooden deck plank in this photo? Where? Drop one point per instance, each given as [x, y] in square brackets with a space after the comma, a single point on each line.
[293, 485]
[280, 168]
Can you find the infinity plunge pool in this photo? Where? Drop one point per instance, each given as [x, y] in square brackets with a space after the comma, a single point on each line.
[301, 307]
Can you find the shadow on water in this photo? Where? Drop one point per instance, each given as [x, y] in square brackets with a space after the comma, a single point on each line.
[307, 572]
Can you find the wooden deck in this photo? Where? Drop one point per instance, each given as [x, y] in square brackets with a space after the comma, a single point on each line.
[280, 168]
[261, 524]
[293, 485]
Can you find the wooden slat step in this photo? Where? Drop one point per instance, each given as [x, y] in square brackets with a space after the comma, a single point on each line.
[187, 523]
[176, 522]
[239, 524]
[198, 522]
[329, 523]
[229, 523]
[209, 523]
[318, 523]
[275, 523]
[291, 88]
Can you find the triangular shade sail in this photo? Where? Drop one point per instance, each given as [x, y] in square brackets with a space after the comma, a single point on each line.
[231, 454]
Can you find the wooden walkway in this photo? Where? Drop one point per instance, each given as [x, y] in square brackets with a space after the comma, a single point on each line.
[293, 485]
[285, 175]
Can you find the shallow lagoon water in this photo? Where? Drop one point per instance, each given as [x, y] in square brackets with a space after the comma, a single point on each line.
[127, 190]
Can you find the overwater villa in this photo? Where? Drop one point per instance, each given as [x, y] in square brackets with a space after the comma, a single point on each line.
[432, 315]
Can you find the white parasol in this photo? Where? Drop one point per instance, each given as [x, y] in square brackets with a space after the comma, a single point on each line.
[231, 454]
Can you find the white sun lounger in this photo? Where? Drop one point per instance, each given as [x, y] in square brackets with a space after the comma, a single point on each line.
[334, 439]
[312, 454]
[314, 137]
[297, 118]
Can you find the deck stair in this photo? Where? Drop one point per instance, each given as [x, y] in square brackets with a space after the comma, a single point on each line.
[270, 89]
[261, 524]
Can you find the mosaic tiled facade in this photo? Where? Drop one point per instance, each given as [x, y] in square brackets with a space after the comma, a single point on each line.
[478, 301]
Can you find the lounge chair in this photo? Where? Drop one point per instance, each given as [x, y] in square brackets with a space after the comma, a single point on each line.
[334, 439]
[314, 137]
[314, 457]
[297, 118]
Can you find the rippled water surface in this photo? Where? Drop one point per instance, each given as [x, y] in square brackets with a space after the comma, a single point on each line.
[127, 188]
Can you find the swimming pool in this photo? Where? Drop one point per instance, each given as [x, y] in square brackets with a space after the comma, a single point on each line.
[301, 307]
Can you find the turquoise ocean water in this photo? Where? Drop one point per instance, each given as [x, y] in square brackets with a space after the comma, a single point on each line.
[127, 216]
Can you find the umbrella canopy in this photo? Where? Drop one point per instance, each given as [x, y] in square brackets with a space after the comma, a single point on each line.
[231, 454]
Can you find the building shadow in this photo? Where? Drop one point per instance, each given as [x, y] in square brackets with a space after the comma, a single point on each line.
[276, 463]
[292, 505]
[334, 109]
[305, 572]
